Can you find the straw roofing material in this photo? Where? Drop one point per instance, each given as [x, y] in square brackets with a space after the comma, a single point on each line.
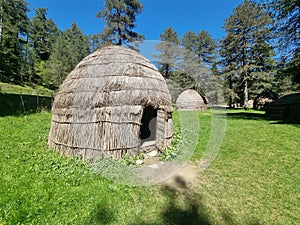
[98, 109]
[191, 100]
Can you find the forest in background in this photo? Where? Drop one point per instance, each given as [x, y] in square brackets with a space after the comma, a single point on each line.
[260, 50]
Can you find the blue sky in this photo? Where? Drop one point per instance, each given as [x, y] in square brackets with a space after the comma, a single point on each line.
[182, 15]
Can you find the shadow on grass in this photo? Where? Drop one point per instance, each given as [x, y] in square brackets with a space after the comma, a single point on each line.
[185, 206]
[246, 115]
[193, 212]
[102, 215]
[253, 115]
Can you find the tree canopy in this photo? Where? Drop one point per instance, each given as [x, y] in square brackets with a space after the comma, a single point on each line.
[120, 19]
[247, 57]
[260, 50]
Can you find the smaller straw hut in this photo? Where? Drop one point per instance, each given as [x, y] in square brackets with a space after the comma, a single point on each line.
[191, 100]
[114, 102]
[263, 99]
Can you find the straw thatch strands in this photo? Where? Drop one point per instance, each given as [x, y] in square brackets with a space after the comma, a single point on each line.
[114, 102]
[191, 100]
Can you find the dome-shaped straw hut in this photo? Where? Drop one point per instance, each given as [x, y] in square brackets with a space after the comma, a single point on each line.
[263, 99]
[191, 100]
[114, 102]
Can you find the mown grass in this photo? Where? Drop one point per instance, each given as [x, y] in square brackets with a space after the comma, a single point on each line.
[253, 180]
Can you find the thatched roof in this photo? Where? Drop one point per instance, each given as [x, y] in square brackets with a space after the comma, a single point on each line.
[101, 101]
[288, 99]
[113, 76]
[191, 100]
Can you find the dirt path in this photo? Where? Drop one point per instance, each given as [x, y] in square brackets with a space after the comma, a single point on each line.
[186, 177]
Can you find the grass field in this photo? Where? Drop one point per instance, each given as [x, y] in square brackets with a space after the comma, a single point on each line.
[253, 180]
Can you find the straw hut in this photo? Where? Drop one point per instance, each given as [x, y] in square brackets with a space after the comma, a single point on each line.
[286, 108]
[191, 100]
[114, 102]
[263, 99]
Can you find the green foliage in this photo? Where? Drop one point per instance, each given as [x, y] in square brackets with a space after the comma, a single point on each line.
[120, 18]
[246, 55]
[95, 42]
[286, 24]
[29, 52]
[294, 67]
[57, 67]
[40, 69]
[169, 51]
[77, 45]
[43, 34]
[170, 35]
[286, 30]
[173, 150]
[68, 50]
[202, 45]
[13, 25]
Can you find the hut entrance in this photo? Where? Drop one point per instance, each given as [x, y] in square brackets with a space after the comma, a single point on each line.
[148, 126]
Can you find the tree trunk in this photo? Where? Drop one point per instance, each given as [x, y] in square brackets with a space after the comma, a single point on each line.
[167, 71]
[246, 94]
[230, 96]
[119, 29]
[245, 72]
[120, 41]
[1, 22]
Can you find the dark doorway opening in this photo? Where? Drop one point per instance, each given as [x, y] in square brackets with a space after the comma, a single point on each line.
[148, 125]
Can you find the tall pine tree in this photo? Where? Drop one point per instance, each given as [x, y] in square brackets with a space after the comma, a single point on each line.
[120, 19]
[245, 28]
[67, 51]
[13, 31]
[168, 48]
[78, 45]
[43, 34]
[286, 14]
[57, 67]
[229, 64]
[202, 45]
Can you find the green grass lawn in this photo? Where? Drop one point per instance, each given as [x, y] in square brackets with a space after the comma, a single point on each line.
[253, 180]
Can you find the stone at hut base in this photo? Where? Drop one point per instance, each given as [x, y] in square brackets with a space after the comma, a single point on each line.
[152, 153]
[139, 162]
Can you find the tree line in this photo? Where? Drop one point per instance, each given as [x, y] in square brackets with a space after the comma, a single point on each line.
[260, 50]
[34, 51]
[259, 53]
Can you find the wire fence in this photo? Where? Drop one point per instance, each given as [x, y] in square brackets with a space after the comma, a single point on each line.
[14, 104]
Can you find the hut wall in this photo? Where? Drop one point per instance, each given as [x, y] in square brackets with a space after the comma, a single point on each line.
[287, 112]
[108, 130]
[164, 132]
[160, 130]
[169, 131]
